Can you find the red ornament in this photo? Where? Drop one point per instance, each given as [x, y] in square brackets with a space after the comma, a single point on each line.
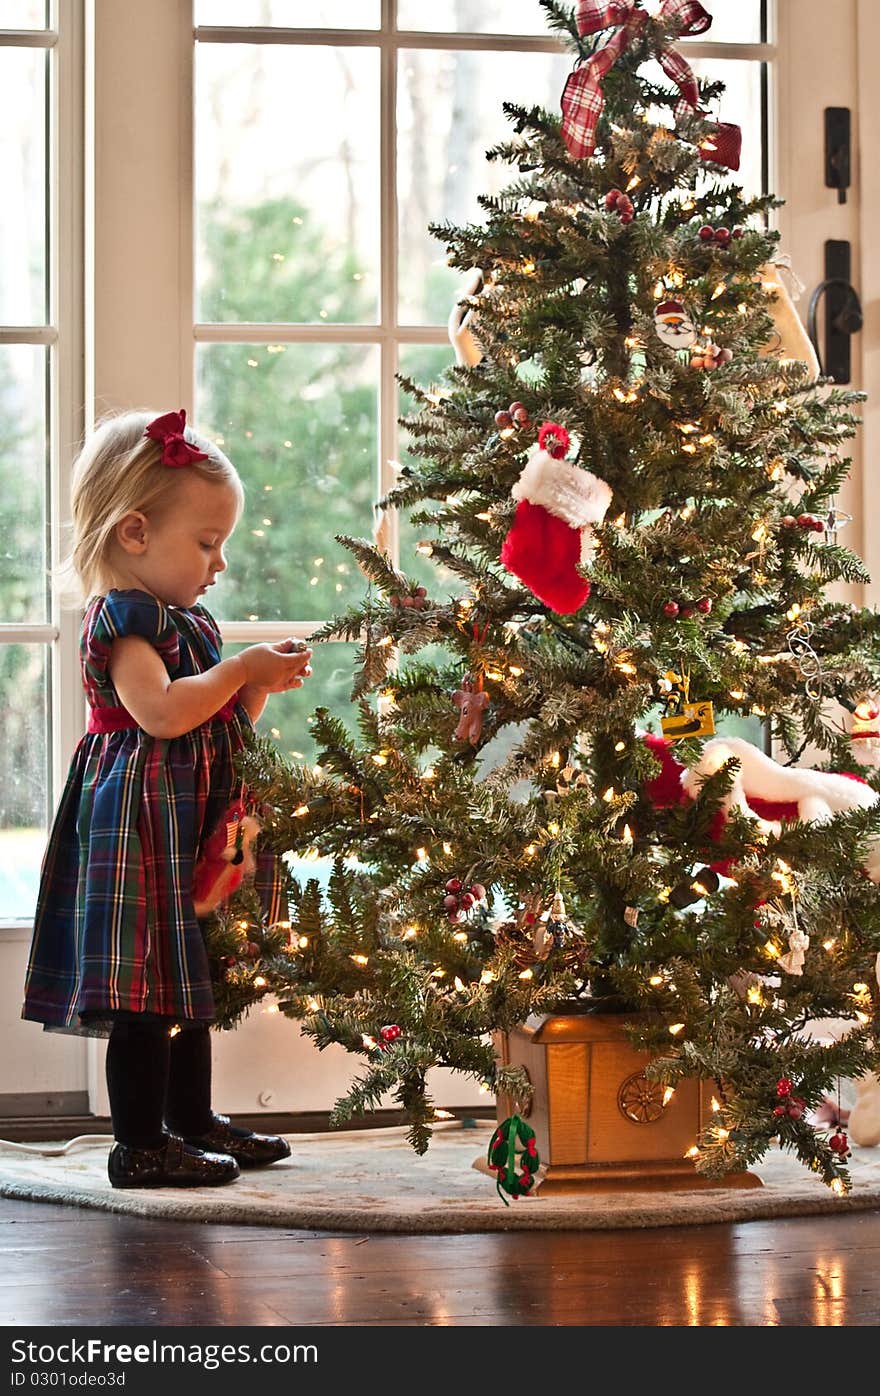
[791, 1106]
[477, 891]
[618, 202]
[811, 522]
[226, 859]
[467, 901]
[839, 1144]
[516, 407]
[789, 521]
[454, 884]
[793, 1109]
[671, 609]
[503, 420]
[706, 233]
[451, 902]
[737, 233]
[252, 950]
[390, 1032]
[687, 612]
[705, 605]
[521, 417]
[722, 145]
[722, 236]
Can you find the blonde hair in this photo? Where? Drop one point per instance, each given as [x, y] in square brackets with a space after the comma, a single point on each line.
[120, 471]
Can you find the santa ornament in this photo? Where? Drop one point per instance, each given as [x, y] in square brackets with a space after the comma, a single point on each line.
[226, 860]
[763, 789]
[865, 734]
[551, 537]
[674, 326]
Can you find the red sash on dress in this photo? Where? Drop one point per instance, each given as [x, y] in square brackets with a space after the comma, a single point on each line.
[120, 719]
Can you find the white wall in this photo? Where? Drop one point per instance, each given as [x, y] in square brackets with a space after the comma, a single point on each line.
[32, 1061]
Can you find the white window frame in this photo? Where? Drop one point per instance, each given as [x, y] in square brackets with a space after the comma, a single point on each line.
[388, 333]
[63, 336]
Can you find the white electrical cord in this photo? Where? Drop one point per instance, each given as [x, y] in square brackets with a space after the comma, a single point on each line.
[55, 1151]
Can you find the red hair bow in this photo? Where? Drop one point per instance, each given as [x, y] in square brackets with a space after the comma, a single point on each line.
[176, 450]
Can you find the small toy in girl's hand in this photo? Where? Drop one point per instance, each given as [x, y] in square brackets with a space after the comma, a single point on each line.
[226, 860]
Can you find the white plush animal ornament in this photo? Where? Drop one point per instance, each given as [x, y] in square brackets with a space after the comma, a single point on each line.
[460, 326]
[864, 1118]
[766, 791]
[790, 340]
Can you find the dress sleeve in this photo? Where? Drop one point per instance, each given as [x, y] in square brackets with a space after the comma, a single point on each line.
[122, 613]
[209, 628]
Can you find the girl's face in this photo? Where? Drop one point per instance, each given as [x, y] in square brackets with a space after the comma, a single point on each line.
[177, 552]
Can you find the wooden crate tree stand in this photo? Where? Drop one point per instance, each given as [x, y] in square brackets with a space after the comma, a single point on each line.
[601, 1123]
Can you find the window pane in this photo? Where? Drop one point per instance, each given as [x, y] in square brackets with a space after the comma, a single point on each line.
[424, 364]
[23, 764]
[449, 113]
[24, 14]
[737, 23]
[300, 422]
[22, 482]
[23, 182]
[472, 16]
[287, 176]
[286, 715]
[291, 14]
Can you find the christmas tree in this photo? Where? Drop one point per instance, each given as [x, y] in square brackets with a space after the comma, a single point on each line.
[632, 471]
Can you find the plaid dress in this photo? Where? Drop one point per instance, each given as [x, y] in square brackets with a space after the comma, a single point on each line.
[115, 931]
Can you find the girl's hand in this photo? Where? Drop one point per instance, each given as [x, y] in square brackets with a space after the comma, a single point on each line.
[275, 668]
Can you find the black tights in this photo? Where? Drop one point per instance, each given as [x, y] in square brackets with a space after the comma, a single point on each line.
[155, 1080]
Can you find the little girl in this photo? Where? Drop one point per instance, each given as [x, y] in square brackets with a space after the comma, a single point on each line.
[117, 948]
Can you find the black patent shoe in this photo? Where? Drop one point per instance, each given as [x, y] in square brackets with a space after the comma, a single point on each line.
[249, 1150]
[176, 1164]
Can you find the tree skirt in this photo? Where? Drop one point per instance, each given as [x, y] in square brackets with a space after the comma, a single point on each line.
[370, 1180]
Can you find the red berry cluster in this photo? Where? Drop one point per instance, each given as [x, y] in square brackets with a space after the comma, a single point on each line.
[459, 900]
[790, 1105]
[685, 609]
[390, 1033]
[722, 236]
[621, 204]
[516, 416]
[810, 522]
[417, 599]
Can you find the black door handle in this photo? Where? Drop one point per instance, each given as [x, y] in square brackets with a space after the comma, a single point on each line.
[844, 316]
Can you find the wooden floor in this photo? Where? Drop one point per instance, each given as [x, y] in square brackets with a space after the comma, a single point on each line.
[62, 1265]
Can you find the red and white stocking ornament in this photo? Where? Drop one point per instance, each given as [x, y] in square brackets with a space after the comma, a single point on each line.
[551, 535]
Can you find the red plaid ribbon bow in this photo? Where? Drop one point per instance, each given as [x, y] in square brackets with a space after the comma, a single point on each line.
[583, 99]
